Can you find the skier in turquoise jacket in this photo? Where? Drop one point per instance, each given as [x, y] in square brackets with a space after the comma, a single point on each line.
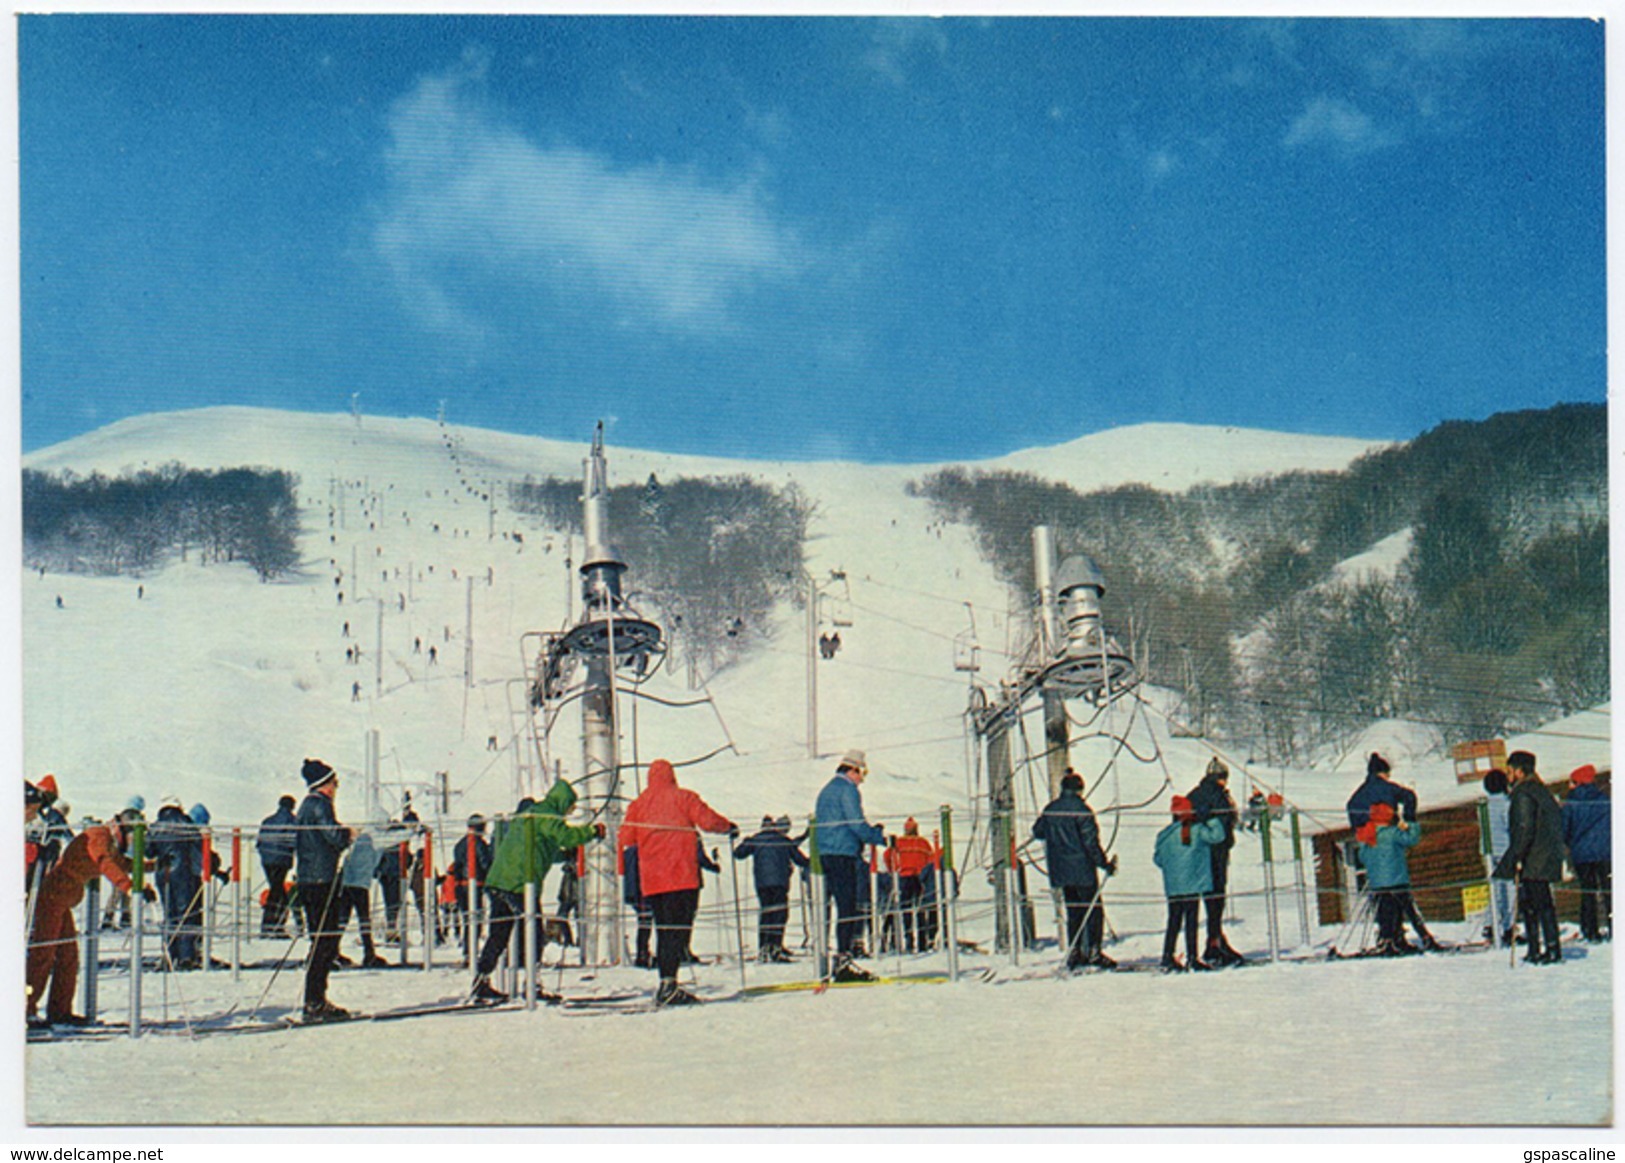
[1184, 853]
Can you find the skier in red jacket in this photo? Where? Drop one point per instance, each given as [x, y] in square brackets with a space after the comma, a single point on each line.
[53, 951]
[664, 824]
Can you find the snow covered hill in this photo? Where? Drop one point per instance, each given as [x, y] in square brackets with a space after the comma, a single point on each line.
[200, 681]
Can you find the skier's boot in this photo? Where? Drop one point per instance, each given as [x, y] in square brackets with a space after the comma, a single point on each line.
[672, 994]
[484, 991]
[848, 970]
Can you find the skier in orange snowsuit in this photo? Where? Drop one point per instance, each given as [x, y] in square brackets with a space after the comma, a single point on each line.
[53, 952]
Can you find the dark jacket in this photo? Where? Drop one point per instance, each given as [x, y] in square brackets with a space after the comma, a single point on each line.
[175, 846]
[1586, 827]
[1376, 790]
[774, 853]
[321, 839]
[278, 838]
[482, 859]
[1071, 842]
[1535, 850]
[1210, 801]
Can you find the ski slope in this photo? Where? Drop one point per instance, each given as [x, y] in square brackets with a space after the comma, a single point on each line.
[214, 687]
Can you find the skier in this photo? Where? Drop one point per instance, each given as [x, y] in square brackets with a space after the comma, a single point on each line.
[356, 885]
[175, 845]
[1385, 840]
[1074, 857]
[53, 951]
[1534, 857]
[1183, 852]
[1495, 792]
[276, 843]
[529, 847]
[466, 896]
[664, 823]
[632, 894]
[842, 834]
[772, 854]
[1589, 834]
[1210, 799]
[907, 858]
[322, 841]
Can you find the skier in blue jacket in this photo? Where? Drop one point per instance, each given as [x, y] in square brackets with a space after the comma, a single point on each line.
[842, 834]
[773, 854]
[1386, 841]
[1589, 835]
[1183, 851]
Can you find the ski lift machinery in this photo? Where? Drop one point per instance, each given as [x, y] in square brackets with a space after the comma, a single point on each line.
[1071, 657]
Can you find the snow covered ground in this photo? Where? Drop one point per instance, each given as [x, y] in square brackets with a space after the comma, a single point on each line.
[213, 687]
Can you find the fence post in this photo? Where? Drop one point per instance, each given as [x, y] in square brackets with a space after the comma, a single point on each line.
[92, 929]
[1265, 824]
[529, 982]
[1300, 873]
[1498, 924]
[138, 881]
[237, 920]
[207, 901]
[949, 890]
[429, 899]
[820, 922]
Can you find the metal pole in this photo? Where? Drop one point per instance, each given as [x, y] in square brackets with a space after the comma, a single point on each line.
[1300, 876]
[92, 928]
[468, 921]
[812, 668]
[378, 652]
[530, 945]
[739, 921]
[1498, 924]
[403, 893]
[1269, 888]
[236, 904]
[208, 899]
[428, 901]
[138, 848]
[815, 864]
[949, 890]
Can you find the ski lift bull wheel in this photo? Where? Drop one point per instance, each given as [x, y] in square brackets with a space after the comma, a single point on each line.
[1088, 676]
[632, 636]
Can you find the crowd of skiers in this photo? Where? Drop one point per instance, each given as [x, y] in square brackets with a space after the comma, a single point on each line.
[320, 872]
[1531, 837]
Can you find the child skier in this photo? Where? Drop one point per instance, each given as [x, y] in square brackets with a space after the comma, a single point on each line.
[1184, 853]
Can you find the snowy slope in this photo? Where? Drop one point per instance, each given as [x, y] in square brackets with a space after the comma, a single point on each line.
[214, 687]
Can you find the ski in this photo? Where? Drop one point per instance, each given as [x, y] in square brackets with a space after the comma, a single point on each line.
[820, 985]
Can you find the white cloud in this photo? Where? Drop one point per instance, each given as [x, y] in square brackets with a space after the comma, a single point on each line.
[893, 41]
[1333, 121]
[474, 206]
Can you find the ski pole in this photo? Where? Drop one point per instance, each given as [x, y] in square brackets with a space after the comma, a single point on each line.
[236, 904]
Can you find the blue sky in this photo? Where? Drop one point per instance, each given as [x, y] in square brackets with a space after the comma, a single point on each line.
[875, 239]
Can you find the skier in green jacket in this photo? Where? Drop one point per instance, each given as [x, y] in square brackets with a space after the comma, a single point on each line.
[529, 847]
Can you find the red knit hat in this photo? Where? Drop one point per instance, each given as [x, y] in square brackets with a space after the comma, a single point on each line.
[1181, 808]
[1580, 774]
[1382, 814]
